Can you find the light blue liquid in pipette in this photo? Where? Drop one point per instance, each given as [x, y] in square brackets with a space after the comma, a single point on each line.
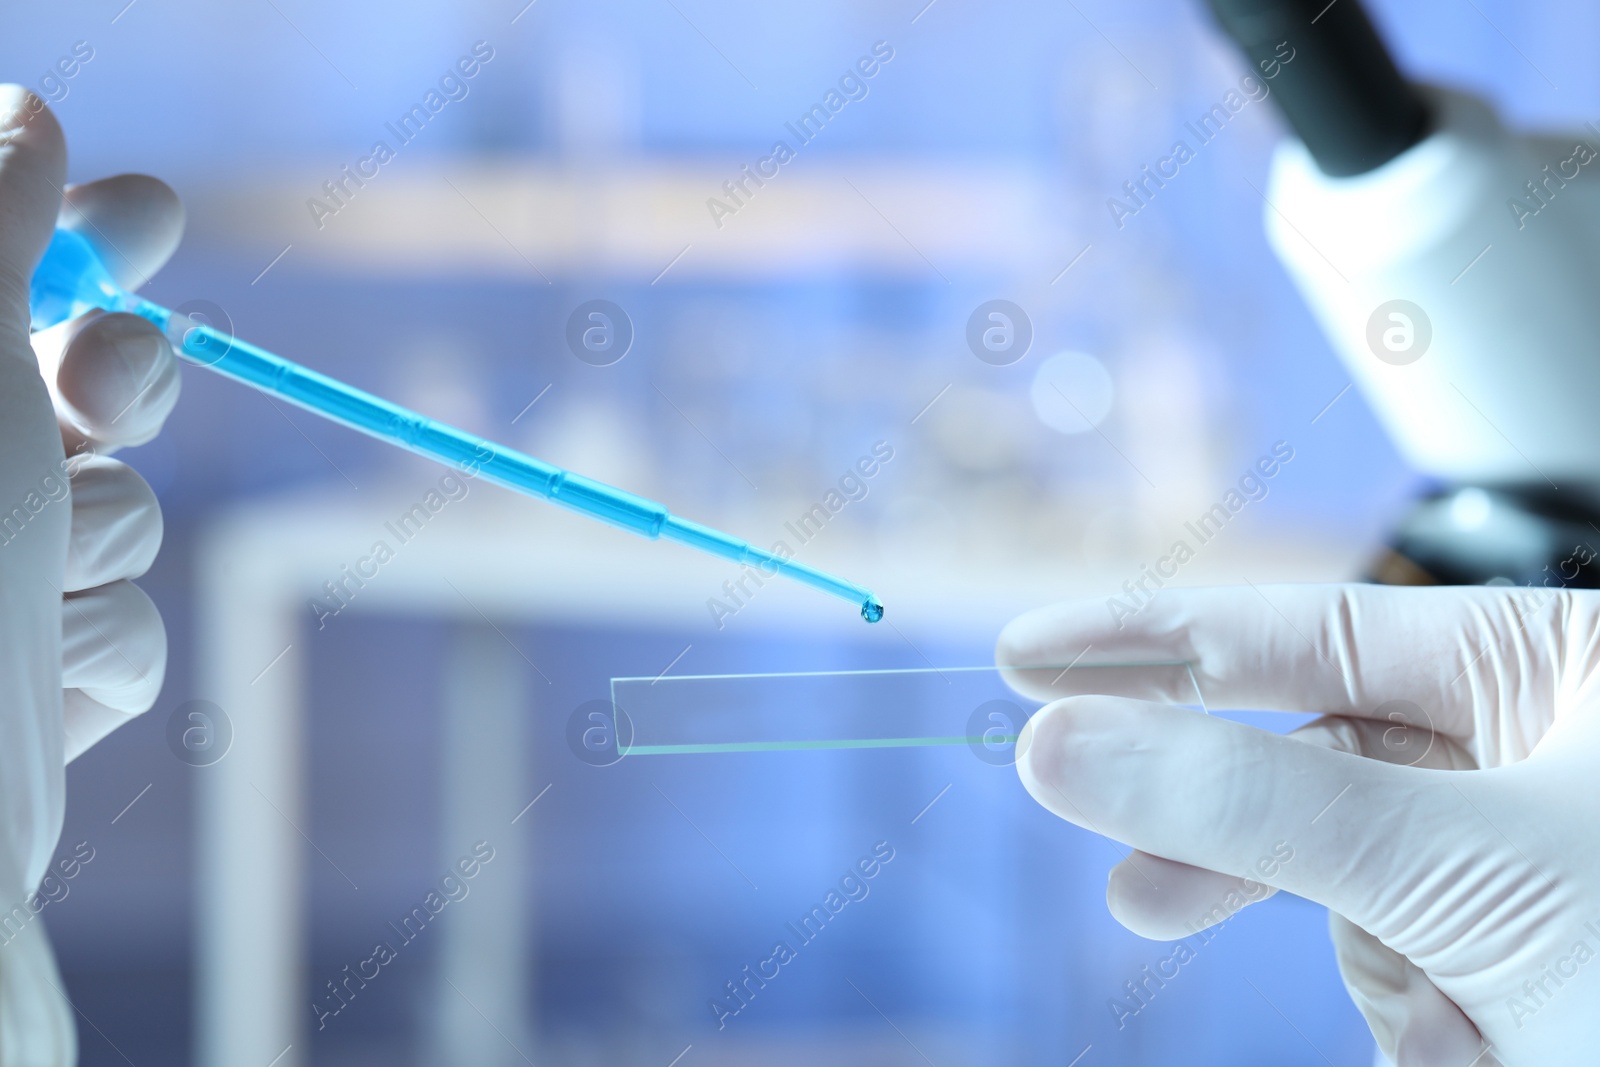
[72, 280]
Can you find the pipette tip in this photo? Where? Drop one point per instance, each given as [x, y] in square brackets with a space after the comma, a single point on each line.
[871, 610]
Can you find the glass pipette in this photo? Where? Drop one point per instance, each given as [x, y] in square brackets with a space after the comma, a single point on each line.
[71, 279]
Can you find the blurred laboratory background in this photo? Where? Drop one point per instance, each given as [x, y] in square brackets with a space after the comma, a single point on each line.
[377, 727]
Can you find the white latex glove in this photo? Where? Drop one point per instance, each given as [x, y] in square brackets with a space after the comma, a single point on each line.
[1465, 902]
[81, 649]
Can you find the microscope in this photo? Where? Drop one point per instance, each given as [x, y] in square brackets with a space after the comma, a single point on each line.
[1455, 266]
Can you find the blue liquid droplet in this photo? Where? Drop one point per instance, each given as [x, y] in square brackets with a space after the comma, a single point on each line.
[872, 611]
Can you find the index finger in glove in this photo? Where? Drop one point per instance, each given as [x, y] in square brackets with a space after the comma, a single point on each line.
[1330, 649]
[133, 221]
[113, 377]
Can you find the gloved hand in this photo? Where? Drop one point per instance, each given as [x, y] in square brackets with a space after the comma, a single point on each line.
[81, 649]
[1446, 809]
